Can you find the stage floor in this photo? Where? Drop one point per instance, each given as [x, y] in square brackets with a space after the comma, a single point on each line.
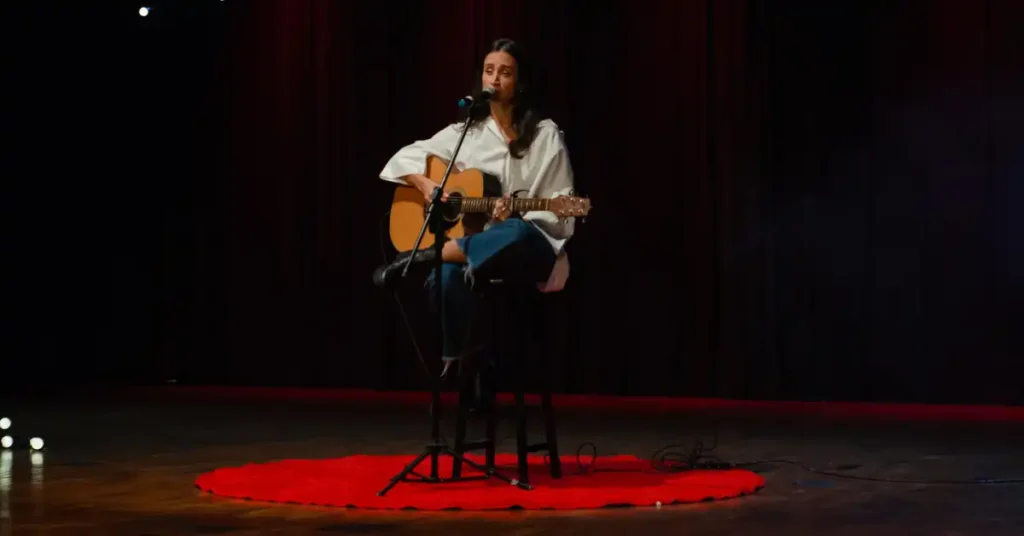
[125, 463]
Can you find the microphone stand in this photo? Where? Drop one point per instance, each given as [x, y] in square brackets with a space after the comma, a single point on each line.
[435, 222]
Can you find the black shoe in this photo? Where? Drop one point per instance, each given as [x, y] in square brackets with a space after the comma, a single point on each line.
[389, 274]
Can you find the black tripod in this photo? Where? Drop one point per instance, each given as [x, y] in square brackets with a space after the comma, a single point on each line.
[436, 222]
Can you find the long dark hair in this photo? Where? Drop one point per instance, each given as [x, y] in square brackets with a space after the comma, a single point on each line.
[525, 115]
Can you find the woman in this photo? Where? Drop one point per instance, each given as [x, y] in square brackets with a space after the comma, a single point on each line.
[509, 140]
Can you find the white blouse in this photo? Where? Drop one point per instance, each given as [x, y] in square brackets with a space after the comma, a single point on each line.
[543, 171]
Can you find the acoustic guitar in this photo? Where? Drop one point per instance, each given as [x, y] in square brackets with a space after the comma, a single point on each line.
[471, 198]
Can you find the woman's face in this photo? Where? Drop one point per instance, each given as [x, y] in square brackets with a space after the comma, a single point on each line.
[500, 74]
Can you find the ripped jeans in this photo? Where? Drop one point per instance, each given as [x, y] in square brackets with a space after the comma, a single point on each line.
[513, 250]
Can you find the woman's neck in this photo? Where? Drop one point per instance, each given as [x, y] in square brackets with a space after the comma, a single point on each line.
[502, 113]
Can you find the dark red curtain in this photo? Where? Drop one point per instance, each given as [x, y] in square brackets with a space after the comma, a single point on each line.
[794, 199]
[322, 93]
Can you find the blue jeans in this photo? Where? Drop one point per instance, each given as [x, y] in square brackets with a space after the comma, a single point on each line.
[513, 250]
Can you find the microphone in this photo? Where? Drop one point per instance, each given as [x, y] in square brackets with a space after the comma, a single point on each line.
[484, 96]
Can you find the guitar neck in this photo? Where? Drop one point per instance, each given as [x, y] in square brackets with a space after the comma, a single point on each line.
[515, 204]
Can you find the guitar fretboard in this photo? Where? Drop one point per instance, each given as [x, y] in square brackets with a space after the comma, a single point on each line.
[486, 204]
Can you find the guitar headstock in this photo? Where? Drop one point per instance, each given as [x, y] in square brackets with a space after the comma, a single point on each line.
[567, 206]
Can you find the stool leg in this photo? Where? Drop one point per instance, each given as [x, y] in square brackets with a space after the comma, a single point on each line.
[552, 439]
[491, 433]
[488, 392]
[517, 360]
[521, 444]
[551, 435]
[465, 399]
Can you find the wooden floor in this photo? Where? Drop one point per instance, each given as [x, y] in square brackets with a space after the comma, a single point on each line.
[124, 464]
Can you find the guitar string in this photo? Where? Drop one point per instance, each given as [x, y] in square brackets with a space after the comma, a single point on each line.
[483, 202]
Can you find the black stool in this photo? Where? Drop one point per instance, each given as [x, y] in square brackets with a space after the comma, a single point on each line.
[518, 307]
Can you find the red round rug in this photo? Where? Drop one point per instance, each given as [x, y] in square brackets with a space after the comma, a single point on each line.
[354, 481]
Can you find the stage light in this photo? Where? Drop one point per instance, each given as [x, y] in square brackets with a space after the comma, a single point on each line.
[143, 11]
[6, 442]
[36, 443]
[5, 423]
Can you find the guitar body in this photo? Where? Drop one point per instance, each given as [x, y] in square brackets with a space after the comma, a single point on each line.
[408, 208]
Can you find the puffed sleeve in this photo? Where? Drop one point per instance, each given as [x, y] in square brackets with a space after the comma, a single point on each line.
[412, 158]
[552, 172]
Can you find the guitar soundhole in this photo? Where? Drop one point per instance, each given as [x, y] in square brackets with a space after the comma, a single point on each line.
[450, 208]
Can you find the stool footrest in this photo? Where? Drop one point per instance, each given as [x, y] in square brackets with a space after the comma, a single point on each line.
[477, 445]
[538, 447]
[477, 413]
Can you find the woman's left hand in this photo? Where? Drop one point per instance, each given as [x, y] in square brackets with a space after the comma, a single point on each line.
[501, 210]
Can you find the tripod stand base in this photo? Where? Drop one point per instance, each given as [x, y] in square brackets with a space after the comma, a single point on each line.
[437, 449]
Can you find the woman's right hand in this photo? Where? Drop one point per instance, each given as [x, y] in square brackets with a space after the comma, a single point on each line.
[425, 186]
